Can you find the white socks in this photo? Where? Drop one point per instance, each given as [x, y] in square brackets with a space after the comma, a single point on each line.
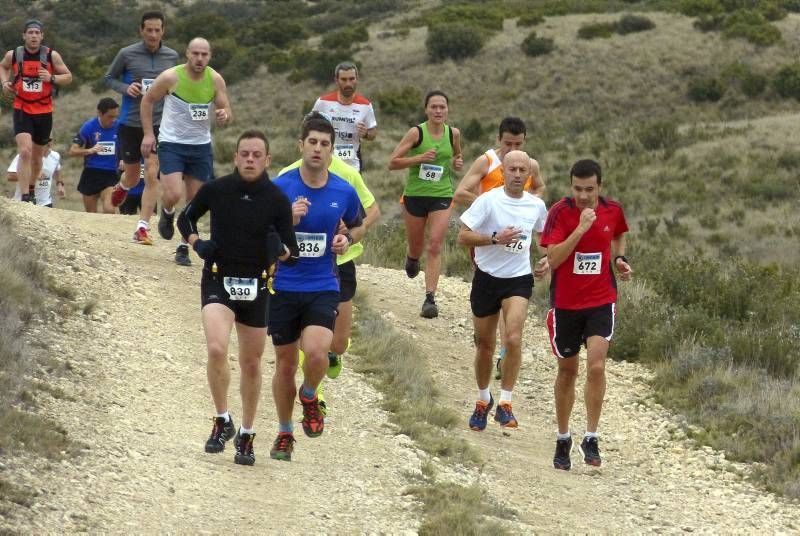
[226, 416]
[505, 396]
[484, 395]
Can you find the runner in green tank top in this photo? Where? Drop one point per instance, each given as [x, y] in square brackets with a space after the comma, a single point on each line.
[430, 152]
[194, 96]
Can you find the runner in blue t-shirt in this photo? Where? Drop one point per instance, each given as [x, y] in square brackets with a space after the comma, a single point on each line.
[96, 142]
[303, 309]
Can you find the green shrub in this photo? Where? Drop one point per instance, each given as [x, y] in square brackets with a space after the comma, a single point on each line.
[659, 135]
[403, 102]
[456, 41]
[597, 29]
[634, 23]
[346, 37]
[750, 83]
[279, 62]
[751, 25]
[476, 16]
[316, 65]
[473, 131]
[537, 46]
[706, 89]
[709, 23]
[695, 8]
[787, 81]
[789, 160]
[531, 18]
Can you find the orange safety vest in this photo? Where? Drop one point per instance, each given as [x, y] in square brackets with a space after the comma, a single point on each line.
[494, 177]
[33, 95]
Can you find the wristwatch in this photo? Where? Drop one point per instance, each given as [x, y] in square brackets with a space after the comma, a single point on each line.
[623, 257]
[494, 238]
[349, 238]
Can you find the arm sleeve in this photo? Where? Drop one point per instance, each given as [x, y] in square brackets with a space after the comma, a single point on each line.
[622, 225]
[285, 228]
[553, 232]
[353, 216]
[187, 221]
[539, 225]
[114, 74]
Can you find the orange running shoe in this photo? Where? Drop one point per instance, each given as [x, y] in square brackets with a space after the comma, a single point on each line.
[313, 421]
[141, 237]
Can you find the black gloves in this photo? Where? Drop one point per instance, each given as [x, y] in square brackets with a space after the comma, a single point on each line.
[205, 249]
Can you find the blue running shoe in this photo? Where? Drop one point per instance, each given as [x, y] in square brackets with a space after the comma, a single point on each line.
[504, 416]
[477, 421]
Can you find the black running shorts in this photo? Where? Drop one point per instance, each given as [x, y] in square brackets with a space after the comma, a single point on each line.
[130, 142]
[421, 206]
[291, 312]
[347, 281]
[569, 328]
[93, 181]
[488, 292]
[39, 126]
[250, 313]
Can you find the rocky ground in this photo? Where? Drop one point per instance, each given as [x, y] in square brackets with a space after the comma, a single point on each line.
[134, 398]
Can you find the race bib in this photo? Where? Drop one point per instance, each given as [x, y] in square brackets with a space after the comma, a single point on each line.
[345, 151]
[146, 83]
[520, 245]
[311, 244]
[33, 85]
[587, 263]
[198, 112]
[241, 288]
[106, 148]
[429, 172]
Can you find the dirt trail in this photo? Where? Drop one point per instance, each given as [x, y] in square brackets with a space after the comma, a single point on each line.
[137, 399]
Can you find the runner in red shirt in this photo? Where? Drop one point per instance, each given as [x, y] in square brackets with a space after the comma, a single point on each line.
[584, 236]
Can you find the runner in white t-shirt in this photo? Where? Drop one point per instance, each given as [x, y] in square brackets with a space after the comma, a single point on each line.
[500, 225]
[350, 113]
[51, 170]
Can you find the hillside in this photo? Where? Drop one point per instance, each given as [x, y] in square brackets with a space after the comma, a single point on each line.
[132, 396]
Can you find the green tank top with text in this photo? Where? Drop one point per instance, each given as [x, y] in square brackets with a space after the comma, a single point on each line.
[432, 179]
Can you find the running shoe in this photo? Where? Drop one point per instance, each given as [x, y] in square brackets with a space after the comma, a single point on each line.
[561, 459]
[504, 416]
[141, 237]
[282, 447]
[591, 451]
[244, 449]
[334, 365]
[429, 308]
[182, 255]
[28, 198]
[477, 421]
[166, 225]
[313, 420]
[412, 267]
[220, 434]
[118, 195]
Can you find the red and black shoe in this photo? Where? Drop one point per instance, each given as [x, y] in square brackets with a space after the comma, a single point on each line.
[313, 421]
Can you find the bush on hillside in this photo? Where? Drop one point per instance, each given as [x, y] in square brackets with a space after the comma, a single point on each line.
[659, 135]
[709, 89]
[346, 37]
[473, 131]
[750, 83]
[316, 65]
[709, 23]
[456, 41]
[751, 25]
[696, 8]
[531, 18]
[634, 23]
[537, 46]
[787, 81]
[476, 16]
[279, 62]
[403, 102]
[597, 30]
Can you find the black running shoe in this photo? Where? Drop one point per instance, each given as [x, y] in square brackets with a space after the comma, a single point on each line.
[561, 459]
[429, 307]
[244, 449]
[181, 254]
[220, 433]
[28, 198]
[166, 225]
[590, 451]
[412, 267]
